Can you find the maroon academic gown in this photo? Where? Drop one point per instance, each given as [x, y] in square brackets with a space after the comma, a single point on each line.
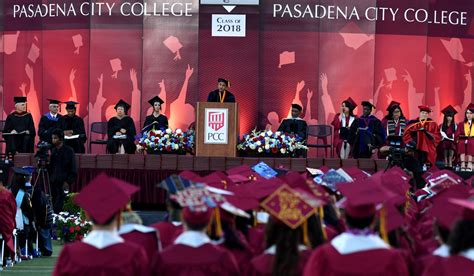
[7, 216]
[189, 256]
[452, 266]
[143, 236]
[167, 232]
[376, 259]
[460, 137]
[337, 124]
[423, 141]
[118, 259]
[263, 264]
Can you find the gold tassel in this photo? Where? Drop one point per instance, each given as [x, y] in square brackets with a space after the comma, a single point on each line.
[407, 202]
[255, 220]
[383, 226]
[218, 223]
[305, 234]
[321, 219]
[209, 226]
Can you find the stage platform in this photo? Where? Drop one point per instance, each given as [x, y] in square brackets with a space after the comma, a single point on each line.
[146, 171]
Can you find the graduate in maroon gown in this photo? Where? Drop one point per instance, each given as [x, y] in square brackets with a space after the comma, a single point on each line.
[359, 251]
[192, 252]
[103, 251]
[425, 132]
[448, 129]
[461, 245]
[465, 139]
[8, 211]
[341, 123]
[288, 241]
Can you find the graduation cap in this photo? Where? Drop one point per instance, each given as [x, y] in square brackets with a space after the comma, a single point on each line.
[19, 100]
[21, 171]
[470, 107]
[155, 99]
[53, 101]
[297, 106]
[424, 108]
[362, 197]
[190, 175]
[288, 207]
[368, 104]
[447, 214]
[123, 104]
[449, 111]
[104, 197]
[198, 204]
[467, 205]
[392, 105]
[175, 183]
[71, 104]
[393, 218]
[218, 180]
[352, 103]
[227, 83]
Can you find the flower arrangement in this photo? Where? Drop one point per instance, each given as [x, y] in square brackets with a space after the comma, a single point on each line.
[70, 227]
[166, 141]
[268, 143]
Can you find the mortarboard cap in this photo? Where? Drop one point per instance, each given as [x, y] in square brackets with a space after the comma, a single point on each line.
[19, 100]
[34, 53]
[447, 214]
[29, 169]
[352, 103]
[155, 99]
[104, 197]
[362, 196]
[449, 110]
[297, 106]
[175, 183]
[21, 171]
[53, 101]
[189, 175]
[241, 172]
[366, 103]
[356, 173]
[77, 40]
[424, 108]
[70, 104]
[392, 105]
[393, 218]
[219, 180]
[123, 104]
[224, 81]
[296, 181]
[468, 207]
[470, 107]
[288, 206]
[390, 74]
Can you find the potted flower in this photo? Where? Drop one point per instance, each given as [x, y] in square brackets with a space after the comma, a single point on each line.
[268, 144]
[168, 141]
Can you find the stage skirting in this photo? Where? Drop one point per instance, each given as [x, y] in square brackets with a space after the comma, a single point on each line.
[146, 171]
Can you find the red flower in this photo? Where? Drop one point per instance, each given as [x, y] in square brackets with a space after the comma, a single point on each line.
[71, 229]
[78, 228]
[274, 150]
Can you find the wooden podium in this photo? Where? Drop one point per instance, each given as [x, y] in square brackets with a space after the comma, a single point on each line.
[217, 129]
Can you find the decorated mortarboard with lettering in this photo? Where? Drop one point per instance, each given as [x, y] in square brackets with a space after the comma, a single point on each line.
[288, 206]
[264, 170]
[175, 183]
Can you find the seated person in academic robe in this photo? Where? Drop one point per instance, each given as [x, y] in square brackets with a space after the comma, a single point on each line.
[394, 124]
[25, 219]
[295, 125]
[221, 94]
[425, 132]
[62, 170]
[461, 245]
[342, 123]
[359, 251]
[19, 124]
[156, 119]
[74, 126]
[366, 133]
[103, 251]
[288, 243]
[133, 231]
[192, 252]
[121, 131]
[7, 215]
[50, 121]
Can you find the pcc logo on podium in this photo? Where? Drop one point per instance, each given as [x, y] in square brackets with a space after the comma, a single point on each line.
[216, 124]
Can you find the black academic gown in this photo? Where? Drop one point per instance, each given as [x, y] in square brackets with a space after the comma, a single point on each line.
[114, 125]
[294, 126]
[47, 124]
[214, 97]
[62, 168]
[76, 124]
[364, 131]
[161, 122]
[22, 143]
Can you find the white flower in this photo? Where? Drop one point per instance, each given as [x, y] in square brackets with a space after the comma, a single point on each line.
[269, 133]
[277, 133]
[176, 146]
[267, 147]
[258, 143]
[179, 131]
[252, 146]
[168, 130]
[283, 150]
[262, 134]
[260, 150]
